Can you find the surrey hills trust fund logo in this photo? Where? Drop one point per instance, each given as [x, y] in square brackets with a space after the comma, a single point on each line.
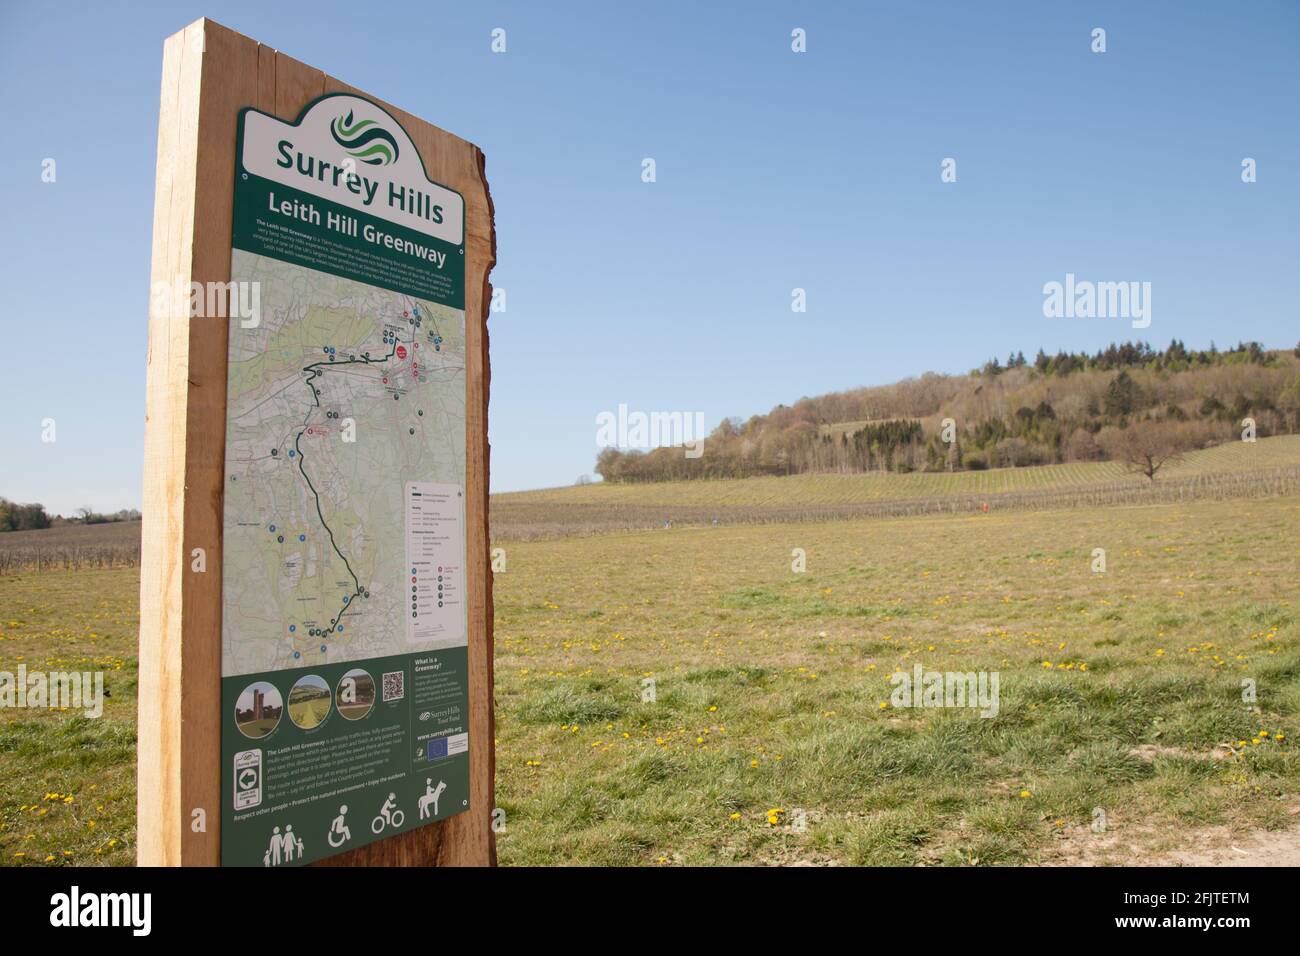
[365, 140]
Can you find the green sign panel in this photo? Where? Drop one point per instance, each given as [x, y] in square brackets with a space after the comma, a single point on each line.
[344, 680]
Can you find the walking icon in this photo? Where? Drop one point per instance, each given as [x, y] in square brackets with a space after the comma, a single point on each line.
[284, 847]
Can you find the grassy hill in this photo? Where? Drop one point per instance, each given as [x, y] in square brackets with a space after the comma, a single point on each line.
[1056, 410]
[1237, 469]
[1236, 457]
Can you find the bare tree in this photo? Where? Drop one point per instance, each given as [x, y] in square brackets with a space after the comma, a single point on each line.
[1147, 446]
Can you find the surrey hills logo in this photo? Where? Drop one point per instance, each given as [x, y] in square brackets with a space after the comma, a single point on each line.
[349, 151]
[365, 140]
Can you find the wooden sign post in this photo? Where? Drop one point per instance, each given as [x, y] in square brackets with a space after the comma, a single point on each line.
[316, 593]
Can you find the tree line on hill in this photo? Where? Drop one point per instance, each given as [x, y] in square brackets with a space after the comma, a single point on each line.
[1127, 402]
[29, 517]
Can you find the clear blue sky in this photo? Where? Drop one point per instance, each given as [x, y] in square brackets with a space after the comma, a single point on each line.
[775, 170]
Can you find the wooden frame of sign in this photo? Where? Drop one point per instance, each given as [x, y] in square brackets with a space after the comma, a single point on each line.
[209, 74]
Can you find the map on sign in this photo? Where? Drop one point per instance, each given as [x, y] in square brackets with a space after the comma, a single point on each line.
[341, 393]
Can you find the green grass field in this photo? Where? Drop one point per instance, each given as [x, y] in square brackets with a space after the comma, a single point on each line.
[309, 706]
[773, 687]
[771, 738]
[67, 791]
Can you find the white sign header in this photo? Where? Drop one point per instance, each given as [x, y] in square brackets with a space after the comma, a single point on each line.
[350, 151]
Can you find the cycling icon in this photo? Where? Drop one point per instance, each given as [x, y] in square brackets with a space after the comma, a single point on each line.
[389, 816]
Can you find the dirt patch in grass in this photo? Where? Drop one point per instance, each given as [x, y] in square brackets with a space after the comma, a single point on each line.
[1147, 845]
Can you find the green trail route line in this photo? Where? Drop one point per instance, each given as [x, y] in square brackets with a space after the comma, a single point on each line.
[314, 372]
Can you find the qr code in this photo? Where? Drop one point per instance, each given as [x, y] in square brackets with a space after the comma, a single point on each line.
[394, 685]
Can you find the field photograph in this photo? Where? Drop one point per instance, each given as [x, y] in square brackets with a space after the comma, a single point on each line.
[685, 443]
[355, 694]
[310, 701]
